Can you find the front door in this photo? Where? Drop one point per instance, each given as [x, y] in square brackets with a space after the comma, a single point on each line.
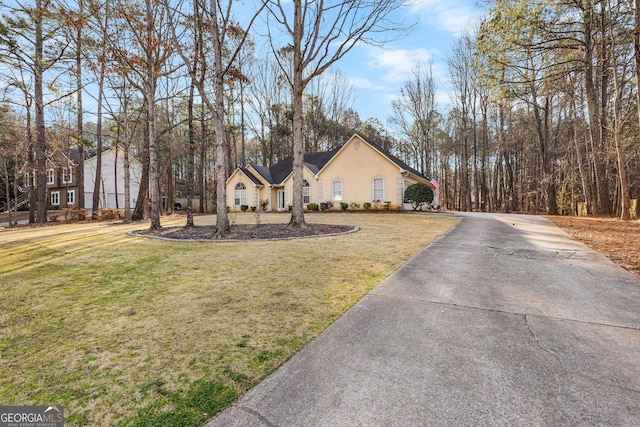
[280, 200]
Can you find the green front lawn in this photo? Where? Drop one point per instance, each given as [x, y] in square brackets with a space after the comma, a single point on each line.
[134, 331]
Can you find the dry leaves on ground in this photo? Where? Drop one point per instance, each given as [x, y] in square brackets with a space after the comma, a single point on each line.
[617, 239]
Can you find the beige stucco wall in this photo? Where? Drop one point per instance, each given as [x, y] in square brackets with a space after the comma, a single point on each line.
[254, 192]
[288, 189]
[357, 165]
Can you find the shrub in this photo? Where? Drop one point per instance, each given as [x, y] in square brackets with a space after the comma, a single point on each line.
[377, 204]
[244, 208]
[366, 206]
[354, 206]
[313, 207]
[109, 214]
[417, 194]
[387, 205]
[254, 208]
[344, 206]
[326, 206]
[75, 214]
[264, 204]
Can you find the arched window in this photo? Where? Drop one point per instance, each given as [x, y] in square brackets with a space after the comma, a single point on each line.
[240, 194]
[306, 192]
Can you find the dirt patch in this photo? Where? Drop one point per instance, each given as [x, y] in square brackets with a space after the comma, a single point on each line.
[247, 232]
[619, 240]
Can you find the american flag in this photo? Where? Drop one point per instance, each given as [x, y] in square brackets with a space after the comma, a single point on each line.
[436, 185]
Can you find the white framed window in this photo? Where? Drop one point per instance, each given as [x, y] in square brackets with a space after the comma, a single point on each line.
[378, 188]
[240, 194]
[306, 192]
[27, 182]
[67, 175]
[71, 197]
[51, 177]
[336, 191]
[55, 198]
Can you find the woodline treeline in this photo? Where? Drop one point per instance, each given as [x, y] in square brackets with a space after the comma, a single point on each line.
[543, 114]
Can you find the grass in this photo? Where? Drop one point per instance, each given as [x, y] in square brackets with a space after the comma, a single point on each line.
[140, 332]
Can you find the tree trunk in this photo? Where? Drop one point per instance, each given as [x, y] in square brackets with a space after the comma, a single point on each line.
[7, 191]
[125, 159]
[222, 218]
[243, 158]
[98, 175]
[542, 128]
[127, 185]
[203, 155]
[33, 196]
[297, 211]
[625, 202]
[80, 118]
[151, 76]
[190, 156]
[636, 49]
[154, 189]
[603, 206]
[115, 173]
[41, 141]
[143, 191]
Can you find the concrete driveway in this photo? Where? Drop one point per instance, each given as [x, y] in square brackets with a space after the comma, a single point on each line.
[502, 321]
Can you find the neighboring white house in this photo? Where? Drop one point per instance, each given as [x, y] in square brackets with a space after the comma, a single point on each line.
[111, 179]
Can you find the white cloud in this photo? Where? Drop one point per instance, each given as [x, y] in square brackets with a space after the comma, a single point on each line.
[398, 63]
[364, 83]
[452, 16]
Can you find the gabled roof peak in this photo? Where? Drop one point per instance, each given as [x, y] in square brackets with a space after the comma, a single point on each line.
[315, 162]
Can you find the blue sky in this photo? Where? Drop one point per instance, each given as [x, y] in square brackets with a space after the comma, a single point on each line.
[378, 73]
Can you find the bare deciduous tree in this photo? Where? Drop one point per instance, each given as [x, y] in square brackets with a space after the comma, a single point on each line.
[320, 34]
[415, 113]
[218, 19]
[29, 42]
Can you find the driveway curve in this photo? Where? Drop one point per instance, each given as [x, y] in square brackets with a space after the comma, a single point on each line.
[504, 320]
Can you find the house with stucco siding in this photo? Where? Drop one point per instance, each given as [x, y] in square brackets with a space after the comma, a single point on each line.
[356, 172]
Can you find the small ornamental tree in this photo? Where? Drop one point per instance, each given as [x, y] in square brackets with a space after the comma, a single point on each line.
[417, 194]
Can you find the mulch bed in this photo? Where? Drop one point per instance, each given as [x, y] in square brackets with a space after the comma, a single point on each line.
[246, 232]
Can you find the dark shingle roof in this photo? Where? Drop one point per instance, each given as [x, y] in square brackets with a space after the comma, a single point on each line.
[251, 176]
[277, 173]
[281, 170]
[264, 172]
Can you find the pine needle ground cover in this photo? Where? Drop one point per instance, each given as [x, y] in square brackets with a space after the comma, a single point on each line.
[134, 331]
